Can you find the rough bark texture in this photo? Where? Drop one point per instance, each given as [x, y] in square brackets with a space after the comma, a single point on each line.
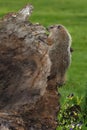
[25, 102]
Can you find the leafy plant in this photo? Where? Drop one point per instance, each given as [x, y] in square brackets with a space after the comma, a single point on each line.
[71, 116]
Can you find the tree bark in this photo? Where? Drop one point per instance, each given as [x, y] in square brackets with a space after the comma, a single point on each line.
[26, 103]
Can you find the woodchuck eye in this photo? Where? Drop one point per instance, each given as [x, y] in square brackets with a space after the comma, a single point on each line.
[48, 28]
[51, 27]
[59, 26]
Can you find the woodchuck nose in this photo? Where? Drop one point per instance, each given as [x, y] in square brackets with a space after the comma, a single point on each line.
[59, 40]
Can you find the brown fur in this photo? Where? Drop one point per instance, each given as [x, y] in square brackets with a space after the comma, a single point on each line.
[60, 41]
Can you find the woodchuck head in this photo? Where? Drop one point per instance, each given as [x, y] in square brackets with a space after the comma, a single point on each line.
[58, 34]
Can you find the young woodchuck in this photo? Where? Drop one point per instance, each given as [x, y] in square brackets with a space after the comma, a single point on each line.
[60, 55]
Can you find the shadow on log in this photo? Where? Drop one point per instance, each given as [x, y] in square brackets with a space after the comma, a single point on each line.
[28, 101]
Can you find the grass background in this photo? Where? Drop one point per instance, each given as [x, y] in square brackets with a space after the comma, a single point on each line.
[73, 15]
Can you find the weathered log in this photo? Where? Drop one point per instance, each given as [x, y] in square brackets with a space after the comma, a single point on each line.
[27, 100]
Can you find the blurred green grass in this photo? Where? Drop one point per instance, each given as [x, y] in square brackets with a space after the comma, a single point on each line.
[73, 15]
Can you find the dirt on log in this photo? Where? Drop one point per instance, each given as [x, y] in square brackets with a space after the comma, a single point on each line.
[26, 100]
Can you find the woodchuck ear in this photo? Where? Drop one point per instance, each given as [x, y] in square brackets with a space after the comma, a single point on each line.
[71, 50]
[59, 26]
